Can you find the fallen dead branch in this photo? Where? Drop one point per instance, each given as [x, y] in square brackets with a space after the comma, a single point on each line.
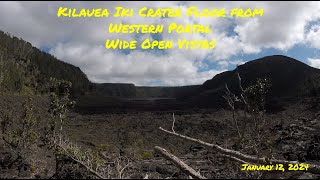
[179, 163]
[82, 163]
[313, 168]
[100, 169]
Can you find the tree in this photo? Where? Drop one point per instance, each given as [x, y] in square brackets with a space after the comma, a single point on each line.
[60, 103]
[21, 136]
[248, 107]
[94, 161]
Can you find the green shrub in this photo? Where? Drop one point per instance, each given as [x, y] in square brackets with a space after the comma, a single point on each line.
[103, 147]
[146, 155]
[26, 90]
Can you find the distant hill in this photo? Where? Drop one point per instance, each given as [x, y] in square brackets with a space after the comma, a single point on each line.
[26, 69]
[289, 78]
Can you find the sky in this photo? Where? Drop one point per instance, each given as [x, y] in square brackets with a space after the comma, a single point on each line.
[286, 28]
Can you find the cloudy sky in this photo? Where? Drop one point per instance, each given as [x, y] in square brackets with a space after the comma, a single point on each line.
[287, 28]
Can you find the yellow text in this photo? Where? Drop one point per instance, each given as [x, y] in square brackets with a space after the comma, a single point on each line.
[239, 12]
[120, 44]
[147, 44]
[73, 12]
[194, 28]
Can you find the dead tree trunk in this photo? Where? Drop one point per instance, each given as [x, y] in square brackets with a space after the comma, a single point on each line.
[179, 163]
[313, 168]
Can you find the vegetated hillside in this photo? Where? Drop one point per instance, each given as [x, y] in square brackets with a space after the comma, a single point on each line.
[289, 78]
[24, 68]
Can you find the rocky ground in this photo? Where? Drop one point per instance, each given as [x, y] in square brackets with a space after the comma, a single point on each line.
[293, 132]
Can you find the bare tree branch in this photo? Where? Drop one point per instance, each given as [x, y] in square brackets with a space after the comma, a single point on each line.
[179, 163]
[231, 99]
[174, 120]
[315, 169]
[83, 164]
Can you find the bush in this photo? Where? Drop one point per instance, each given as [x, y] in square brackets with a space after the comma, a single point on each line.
[103, 147]
[146, 155]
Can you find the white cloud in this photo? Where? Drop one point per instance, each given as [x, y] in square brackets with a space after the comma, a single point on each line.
[138, 67]
[282, 26]
[80, 41]
[223, 64]
[313, 36]
[314, 62]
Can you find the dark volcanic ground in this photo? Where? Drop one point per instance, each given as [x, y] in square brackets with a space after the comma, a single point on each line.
[293, 132]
